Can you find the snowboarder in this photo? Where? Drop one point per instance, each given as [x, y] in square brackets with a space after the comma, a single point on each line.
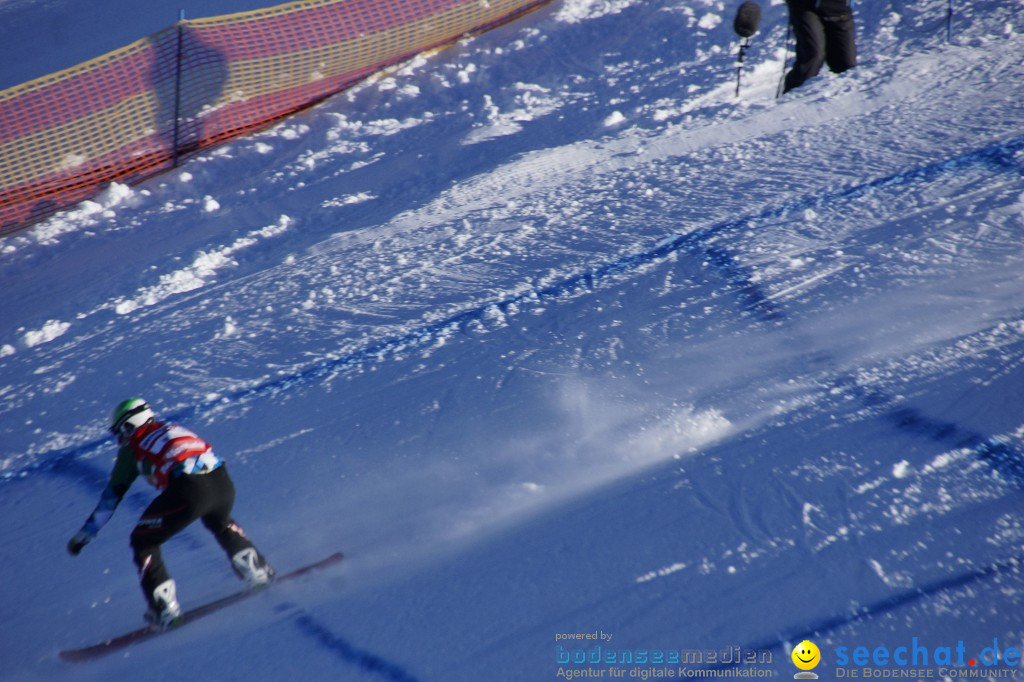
[194, 484]
[824, 31]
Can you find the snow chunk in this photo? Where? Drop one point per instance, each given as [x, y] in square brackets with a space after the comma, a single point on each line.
[86, 214]
[575, 11]
[114, 195]
[898, 579]
[204, 266]
[869, 485]
[464, 75]
[614, 119]
[347, 200]
[662, 572]
[709, 21]
[292, 131]
[942, 461]
[529, 102]
[809, 510]
[230, 328]
[50, 331]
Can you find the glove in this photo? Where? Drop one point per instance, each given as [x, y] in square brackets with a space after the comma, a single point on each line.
[81, 539]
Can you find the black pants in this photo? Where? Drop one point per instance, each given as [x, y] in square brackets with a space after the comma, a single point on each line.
[820, 39]
[209, 497]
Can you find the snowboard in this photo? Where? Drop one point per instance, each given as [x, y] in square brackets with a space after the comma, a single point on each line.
[109, 646]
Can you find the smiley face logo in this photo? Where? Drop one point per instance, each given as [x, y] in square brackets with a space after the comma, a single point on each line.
[806, 655]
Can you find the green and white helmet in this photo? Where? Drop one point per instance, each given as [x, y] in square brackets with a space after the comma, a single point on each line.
[130, 415]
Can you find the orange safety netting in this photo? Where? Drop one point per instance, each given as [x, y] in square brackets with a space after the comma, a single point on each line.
[137, 111]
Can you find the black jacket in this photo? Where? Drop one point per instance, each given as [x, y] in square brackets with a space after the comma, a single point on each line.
[823, 7]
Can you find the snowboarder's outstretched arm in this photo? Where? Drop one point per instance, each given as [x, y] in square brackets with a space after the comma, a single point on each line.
[121, 478]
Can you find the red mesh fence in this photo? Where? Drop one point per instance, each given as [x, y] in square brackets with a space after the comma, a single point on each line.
[138, 111]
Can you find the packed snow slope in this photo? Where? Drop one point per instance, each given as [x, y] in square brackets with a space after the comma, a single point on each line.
[554, 335]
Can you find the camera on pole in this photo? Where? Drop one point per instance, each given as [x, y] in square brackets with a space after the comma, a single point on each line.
[746, 24]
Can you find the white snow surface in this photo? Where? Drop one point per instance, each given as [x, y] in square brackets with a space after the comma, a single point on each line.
[552, 334]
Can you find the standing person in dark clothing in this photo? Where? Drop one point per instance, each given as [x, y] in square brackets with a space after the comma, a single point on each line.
[824, 31]
[194, 485]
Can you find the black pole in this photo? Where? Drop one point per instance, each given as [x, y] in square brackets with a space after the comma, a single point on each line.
[177, 86]
[739, 63]
[785, 58]
[746, 24]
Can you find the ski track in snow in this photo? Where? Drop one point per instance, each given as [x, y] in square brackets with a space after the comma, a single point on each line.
[998, 158]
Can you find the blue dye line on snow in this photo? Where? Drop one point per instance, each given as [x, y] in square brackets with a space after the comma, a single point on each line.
[349, 653]
[891, 603]
[999, 455]
[1000, 157]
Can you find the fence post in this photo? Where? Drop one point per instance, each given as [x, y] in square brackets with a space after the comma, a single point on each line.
[177, 88]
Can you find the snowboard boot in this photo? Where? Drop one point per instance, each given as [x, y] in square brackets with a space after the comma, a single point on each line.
[252, 568]
[164, 611]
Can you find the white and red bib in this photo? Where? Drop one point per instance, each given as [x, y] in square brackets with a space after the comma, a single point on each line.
[162, 447]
